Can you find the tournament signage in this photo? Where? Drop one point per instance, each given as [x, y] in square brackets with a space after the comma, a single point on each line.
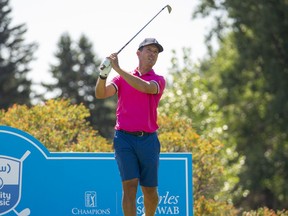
[34, 181]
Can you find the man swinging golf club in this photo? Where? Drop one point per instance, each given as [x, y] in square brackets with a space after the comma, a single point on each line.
[136, 143]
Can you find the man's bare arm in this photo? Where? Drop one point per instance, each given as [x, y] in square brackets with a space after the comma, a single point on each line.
[149, 87]
[102, 90]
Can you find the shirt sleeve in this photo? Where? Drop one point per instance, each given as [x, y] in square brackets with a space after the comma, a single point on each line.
[161, 84]
[116, 81]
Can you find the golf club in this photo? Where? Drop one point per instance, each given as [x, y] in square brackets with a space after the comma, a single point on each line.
[25, 212]
[169, 10]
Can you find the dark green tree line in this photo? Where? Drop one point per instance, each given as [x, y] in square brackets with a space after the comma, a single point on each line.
[15, 56]
[250, 75]
[75, 73]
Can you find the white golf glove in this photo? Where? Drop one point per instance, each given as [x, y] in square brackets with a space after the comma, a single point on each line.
[105, 68]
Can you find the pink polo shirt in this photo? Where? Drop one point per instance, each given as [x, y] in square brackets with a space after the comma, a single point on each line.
[137, 111]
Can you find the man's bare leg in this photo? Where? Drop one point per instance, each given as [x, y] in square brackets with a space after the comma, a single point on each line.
[150, 200]
[129, 197]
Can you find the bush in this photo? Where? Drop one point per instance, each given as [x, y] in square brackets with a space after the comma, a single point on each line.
[266, 212]
[205, 207]
[58, 125]
[177, 135]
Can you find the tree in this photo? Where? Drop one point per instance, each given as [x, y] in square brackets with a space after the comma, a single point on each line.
[189, 95]
[15, 57]
[76, 74]
[254, 87]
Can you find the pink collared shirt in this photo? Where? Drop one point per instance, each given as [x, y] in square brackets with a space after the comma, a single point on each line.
[137, 111]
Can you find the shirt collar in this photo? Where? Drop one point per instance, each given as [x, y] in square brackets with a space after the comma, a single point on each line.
[149, 73]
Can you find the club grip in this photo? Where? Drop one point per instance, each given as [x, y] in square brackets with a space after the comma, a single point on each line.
[105, 64]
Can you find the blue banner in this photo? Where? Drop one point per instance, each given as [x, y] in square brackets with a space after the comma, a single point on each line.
[34, 181]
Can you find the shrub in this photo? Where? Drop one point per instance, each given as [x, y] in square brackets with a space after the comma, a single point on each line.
[264, 211]
[177, 135]
[205, 207]
[58, 125]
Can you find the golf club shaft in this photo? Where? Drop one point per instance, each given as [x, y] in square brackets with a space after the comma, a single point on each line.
[169, 9]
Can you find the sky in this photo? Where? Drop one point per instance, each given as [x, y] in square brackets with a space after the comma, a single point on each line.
[109, 25]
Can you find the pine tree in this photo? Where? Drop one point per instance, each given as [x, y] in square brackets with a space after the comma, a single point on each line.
[14, 59]
[76, 74]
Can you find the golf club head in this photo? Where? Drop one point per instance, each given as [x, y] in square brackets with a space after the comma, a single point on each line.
[169, 8]
[25, 212]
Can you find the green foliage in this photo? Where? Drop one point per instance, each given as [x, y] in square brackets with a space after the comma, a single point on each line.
[59, 125]
[75, 74]
[177, 135]
[15, 57]
[252, 65]
[209, 207]
[190, 96]
[266, 212]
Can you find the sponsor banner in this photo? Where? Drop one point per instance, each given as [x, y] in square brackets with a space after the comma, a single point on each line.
[34, 181]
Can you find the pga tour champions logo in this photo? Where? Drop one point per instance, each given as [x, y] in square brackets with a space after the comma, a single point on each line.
[91, 207]
[10, 184]
[90, 199]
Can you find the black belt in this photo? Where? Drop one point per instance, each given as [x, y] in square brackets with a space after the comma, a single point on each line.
[136, 133]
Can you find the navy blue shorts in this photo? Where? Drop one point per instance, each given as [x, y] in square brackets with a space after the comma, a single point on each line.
[137, 157]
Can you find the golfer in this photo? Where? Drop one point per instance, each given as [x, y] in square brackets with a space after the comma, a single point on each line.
[136, 143]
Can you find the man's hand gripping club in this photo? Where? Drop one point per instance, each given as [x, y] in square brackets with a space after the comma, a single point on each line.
[105, 68]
